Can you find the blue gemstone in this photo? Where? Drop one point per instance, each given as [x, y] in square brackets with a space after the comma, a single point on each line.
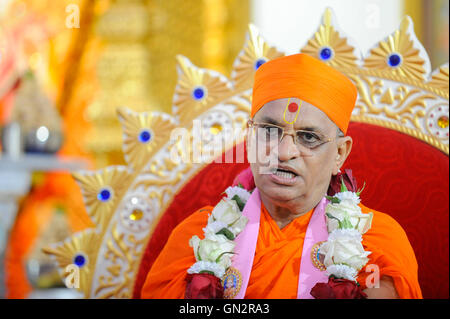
[79, 260]
[198, 93]
[326, 53]
[259, 62]
[104, 195]
[394, 59]
[145, 136]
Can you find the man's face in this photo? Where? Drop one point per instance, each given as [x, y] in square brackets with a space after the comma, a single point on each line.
[311, 167]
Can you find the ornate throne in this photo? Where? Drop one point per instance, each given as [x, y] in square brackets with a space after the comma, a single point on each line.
[400, 126]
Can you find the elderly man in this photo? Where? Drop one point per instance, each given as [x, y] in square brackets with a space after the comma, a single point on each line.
[301, 109]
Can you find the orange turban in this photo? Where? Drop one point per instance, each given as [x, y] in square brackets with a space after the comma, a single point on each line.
[308, 79]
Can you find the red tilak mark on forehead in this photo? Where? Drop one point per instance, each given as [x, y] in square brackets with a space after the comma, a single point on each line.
[293, 107]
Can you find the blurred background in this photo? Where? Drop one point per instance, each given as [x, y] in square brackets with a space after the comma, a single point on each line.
[66, 65]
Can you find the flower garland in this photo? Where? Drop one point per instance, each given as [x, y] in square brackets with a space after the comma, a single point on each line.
[344, 254]
[213, 253]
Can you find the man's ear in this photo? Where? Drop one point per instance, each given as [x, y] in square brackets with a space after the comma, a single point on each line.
[344, 147]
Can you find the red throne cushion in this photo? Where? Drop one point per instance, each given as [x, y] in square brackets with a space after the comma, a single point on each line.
[404, 177]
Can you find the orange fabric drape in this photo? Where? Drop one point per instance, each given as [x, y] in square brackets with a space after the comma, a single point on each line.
[277, 257]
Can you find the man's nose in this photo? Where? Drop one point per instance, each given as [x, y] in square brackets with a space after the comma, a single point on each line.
[287, 149]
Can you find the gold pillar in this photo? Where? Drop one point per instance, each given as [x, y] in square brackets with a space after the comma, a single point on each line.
[209, 32]
[415, 9]
[431, 21]
[123, 74]
[138, 66]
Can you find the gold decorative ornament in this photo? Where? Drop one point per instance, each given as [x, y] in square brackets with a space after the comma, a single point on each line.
[439, 78]
[101, 191]
[330, 46]
[197, 90]
[315, 256]
[406, 97]
[80, 250]
[139, 139]
[256, 52]
[400, 54]
[136, 213]
[395, 87]
[231, 282]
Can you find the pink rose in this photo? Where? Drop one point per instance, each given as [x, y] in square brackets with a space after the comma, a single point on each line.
[245, 178]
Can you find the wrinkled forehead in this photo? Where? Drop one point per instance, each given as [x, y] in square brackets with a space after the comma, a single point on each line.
[293, 112]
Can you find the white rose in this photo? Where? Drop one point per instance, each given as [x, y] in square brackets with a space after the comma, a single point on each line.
[349, 211]
[214, 227]
[239, 225]
[350, 197]
[243, 194]
[214, 248]
[342, 271]
[202, 266]
[344, 247]
[194, 242]
[226, 211]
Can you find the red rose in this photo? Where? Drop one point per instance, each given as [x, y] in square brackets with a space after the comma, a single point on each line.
[245, 178]
[336, 181]
[338, 289]
[203, 286]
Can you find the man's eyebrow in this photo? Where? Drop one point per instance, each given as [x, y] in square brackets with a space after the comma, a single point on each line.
[310, 129]
[269, 120]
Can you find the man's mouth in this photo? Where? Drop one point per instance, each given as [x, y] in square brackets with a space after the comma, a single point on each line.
[284, 174]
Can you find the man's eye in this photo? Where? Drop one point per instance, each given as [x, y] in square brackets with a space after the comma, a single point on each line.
[308, 137]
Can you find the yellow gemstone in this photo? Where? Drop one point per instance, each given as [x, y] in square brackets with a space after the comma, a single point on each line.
[216, 128]
[443, 121]
[136, 214]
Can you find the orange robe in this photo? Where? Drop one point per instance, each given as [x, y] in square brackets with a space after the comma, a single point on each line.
[278, 252]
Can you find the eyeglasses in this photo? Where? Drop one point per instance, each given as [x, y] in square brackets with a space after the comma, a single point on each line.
[273, 135]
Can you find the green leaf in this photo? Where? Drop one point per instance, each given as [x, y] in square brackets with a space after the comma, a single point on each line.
[333, 200]
[226, 232]
[345, 223]
[239, 202]
[360, 190]
[343, 187]
[332, 217]
[207, 272]
[240, 185]
[220, 256]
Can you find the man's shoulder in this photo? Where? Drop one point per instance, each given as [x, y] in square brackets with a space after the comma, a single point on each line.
[384, 225]
[178, 241]
[196, 220]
